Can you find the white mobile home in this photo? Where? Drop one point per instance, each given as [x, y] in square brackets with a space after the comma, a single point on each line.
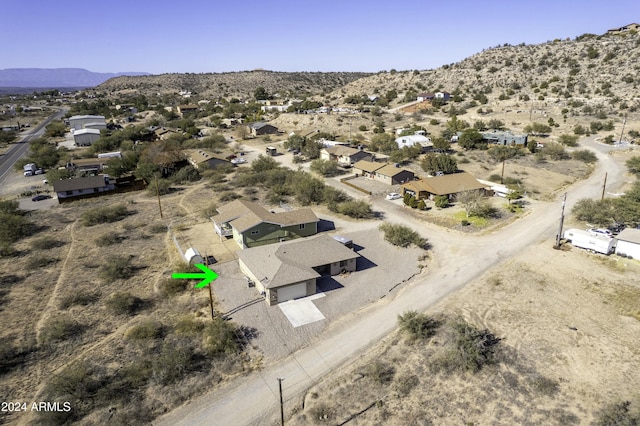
[586, 240]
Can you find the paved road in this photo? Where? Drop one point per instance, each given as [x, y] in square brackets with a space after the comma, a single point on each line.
[19, 149]
[459, 260]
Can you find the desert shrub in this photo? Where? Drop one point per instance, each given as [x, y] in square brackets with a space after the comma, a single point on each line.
[322, 413]
[104, 215]
[187, 325]
[380, 372]
[406, 383]
[474, 347]
[40, 261]
[157, 228]
[555, 151]
[14, 226]
[400, 235]
[171, 287]
[441, 201]
[186, 174]
[78, 298]
[219, 337]
[568, 140]
[136, 374]
[325, 167]
[108, 239]
[46, 243]
[11, 356]
[545, 386]
[357, 209]
[584, 156]
[161, 186]
[210, 210]
[416, 326]
[116, 268]
[229, 196]
[76, 384]
[173, 362]
[147, 329]
[7, 249]
[60, 328]
[617, 414]
[123, 303]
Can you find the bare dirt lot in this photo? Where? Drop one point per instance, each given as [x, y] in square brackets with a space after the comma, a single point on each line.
[570, 329]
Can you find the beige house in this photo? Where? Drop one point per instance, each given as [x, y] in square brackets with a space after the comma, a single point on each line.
[289, 271]
[383, 172]
[449, 185]
[204, 159]
[345, 155]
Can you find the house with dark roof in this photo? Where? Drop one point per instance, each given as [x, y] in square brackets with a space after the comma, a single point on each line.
[70, 189]
[204, 159]
[449, 185]
[187, 109]
[289, 271]
[383, 172]
[260, 128]
[345, 155]
[251, 225]
[626, 28]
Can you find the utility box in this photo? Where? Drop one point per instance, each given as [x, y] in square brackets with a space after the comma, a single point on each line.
[193, 256]
[271, 151]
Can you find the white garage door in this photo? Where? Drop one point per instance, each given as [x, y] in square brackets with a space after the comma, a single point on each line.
[292, 292]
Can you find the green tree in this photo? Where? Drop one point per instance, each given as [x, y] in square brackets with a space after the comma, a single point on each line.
[501, 154]
[441, 201]
[470, 139]
[402, 236]
[441, 144]
[325, 167]
[264, 163]
[261, 94]
[537, 129]
[432, 163]
[568, 140]
[496, 124]
[55, 129]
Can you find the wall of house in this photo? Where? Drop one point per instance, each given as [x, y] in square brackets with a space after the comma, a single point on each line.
[269, 233]
[628, 249]
[338, 267]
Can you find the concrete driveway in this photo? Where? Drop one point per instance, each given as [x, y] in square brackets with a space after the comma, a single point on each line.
[302, 311]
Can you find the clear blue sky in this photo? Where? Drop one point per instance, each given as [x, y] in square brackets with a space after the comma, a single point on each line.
[285, 35]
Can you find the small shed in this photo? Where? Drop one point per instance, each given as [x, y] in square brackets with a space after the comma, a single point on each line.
[629, 243]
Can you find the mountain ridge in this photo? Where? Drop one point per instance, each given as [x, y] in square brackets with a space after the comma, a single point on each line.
[56, 77]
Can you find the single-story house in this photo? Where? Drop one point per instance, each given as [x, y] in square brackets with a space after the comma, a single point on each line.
[163, 133]
[259, 128]
[67, 189]
[411, 140]
[85, 137]
[252, 225]
[628, 243]
[187, 109]
[383, 172]
[78, 122]
[203, 159]
[345, 155]
[87, 165]
[422, 97]
[289, 271]
[630, 27]
[430, 96]
[505, 138]
[449, 185]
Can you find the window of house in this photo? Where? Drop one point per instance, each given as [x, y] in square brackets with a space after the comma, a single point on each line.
[302, 226]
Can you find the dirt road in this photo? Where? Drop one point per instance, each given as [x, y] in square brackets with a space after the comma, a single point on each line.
[458, 260]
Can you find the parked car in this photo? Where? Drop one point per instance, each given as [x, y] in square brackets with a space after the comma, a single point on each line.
[393, 196]
[600, 231]
[39, 171]
[238, 161]
[41, 197]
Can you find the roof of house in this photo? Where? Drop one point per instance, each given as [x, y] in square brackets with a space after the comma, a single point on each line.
[629, 234]
[340, 150]
[259, 125]
[291, 262]
[79, 162]
[368, 166]
[86, 131]
[201, 155]
[85, 117]
[391, 170]
[447, 184]
[413, 139]
[79, 183]
[243, 215]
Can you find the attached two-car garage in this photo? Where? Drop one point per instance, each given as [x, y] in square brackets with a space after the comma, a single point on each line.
[292, 292]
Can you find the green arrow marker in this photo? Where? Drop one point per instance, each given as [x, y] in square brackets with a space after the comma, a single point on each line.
[207, 276]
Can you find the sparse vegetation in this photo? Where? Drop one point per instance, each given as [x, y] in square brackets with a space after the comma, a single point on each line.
[402, 236]
[417, 326]
[123, 303]
[104, 215]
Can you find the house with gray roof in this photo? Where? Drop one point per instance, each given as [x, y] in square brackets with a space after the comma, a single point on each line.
[345, 155]
[251, 225]
[260, 128]
[628, 243]
[449, 185]
[204, 159]
[69, 189]
[289, 271]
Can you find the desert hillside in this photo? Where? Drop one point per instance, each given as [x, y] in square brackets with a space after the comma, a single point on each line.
[232, 84]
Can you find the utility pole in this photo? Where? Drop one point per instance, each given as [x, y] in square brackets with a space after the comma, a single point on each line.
[559, 235]
[624, 122]
[158, 194]
[281, 403]
[206, 262]
[604, 186]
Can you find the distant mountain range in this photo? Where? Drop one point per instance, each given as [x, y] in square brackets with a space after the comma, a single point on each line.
[54, 78]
